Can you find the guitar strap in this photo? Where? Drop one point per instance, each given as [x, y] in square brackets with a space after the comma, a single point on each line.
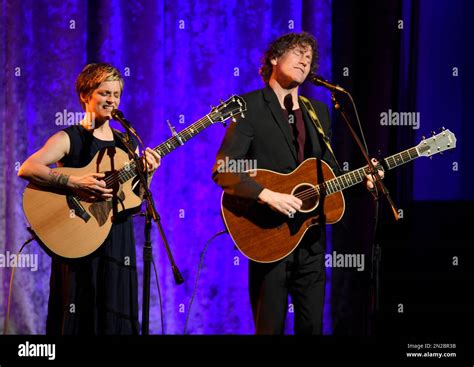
[123, 139]
[319, 128]
[121, 135]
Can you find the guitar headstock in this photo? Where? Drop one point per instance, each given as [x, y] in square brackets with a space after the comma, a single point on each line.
[231, 108]
[438, 143]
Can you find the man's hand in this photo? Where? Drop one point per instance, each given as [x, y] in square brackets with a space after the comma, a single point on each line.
[370, 182]
[282, 203]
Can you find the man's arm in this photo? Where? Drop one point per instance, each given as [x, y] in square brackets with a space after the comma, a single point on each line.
[235, 146]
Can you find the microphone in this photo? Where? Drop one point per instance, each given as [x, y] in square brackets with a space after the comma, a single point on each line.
[319, 81]
[118, 116]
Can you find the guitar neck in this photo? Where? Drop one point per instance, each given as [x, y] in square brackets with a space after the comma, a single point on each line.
[128, 171]
[183, 136]
[354, 177]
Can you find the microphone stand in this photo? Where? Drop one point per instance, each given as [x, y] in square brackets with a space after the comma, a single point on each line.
[150, 214]
[379, 186]
[372, 170]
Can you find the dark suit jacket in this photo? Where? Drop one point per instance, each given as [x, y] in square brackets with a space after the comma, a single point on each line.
[265, 135]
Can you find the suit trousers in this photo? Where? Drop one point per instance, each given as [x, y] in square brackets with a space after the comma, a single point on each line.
[301, 275]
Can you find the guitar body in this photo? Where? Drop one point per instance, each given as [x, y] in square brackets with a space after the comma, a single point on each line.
[73, 228]
[265, 236]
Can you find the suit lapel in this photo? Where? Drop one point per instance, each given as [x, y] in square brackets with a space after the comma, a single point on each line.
[272, 101]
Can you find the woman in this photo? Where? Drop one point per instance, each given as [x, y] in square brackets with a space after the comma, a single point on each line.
[97, 294]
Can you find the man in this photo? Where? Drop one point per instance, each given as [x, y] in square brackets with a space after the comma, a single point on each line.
[96, 294]
[279, 134]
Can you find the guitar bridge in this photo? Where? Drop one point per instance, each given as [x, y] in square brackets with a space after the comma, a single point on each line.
[79, 210]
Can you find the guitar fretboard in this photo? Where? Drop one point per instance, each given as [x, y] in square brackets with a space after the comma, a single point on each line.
[354, 177]
[128, 171]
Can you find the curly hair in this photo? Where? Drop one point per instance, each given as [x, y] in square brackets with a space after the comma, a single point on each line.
[283, 44]
[92, 75]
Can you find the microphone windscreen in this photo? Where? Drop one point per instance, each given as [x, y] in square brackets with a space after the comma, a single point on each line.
[117, 114]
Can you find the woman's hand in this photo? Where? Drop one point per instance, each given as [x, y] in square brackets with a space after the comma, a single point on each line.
[91, 185]
[152, 159]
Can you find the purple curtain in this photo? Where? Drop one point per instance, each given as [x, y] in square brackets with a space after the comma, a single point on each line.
[178, 58]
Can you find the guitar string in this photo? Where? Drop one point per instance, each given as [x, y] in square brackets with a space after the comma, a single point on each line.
[187, 133]
[337, 183]
[405, 157]
[316, 190]
[312, 191]
[305, 194]
[118, 175]
[201, 123]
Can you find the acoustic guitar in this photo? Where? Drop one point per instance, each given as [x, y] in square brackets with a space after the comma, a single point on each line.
[72, 226]
[264, 235]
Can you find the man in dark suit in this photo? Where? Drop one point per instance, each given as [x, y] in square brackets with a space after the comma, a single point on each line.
[278, 134]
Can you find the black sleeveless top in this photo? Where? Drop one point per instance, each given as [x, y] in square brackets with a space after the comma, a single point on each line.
[97, 294]
[84, 146]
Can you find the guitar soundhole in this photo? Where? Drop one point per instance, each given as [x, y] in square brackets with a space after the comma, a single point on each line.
[308, 195]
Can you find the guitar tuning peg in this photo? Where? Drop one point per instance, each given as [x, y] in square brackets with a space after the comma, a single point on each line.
[221, 101]
[443, 128]
[433, 133]
[242, 115]
[234, 119]
[423, 137]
